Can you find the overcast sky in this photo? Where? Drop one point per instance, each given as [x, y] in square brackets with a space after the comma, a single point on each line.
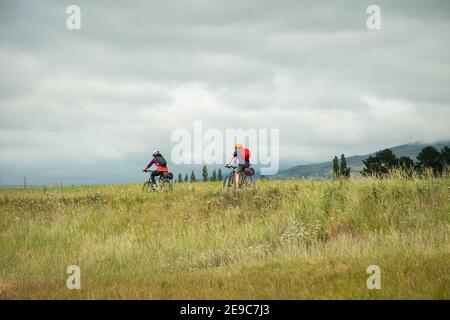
[89, 105]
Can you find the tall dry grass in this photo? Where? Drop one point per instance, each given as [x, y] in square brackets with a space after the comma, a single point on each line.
[284, 240]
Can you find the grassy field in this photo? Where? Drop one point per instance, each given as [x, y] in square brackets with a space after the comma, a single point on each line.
[285, 240]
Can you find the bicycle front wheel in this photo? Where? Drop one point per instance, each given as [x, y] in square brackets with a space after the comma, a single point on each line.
[229, 183]
[147, 186]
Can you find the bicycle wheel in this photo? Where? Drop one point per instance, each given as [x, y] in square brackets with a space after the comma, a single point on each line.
[229, 183]
[147, 186]
[250, 182]
[166, 186]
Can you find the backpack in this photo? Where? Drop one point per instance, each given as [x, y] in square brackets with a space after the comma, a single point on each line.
[245, 152]
[161, 160]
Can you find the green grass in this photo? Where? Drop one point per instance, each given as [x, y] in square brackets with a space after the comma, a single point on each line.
[285, 240]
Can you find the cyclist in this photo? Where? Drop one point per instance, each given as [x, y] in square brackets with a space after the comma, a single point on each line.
[242, 155]
[161, 166]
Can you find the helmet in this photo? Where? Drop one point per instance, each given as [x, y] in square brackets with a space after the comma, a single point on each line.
[156, 152]
[238, 145]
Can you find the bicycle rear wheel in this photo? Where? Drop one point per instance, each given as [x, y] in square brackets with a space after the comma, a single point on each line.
[251, 182]
[247, 182]
[166, 186]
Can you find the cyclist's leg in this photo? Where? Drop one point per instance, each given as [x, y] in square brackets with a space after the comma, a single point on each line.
[154, 175]
[242, 167]
[239, 170]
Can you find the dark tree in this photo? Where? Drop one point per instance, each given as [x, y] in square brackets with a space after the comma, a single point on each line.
[385, 160]
[445, 155]
[193, 178]
[214, 175]
[205, 174]
[335, 167]
[340, 170]
[430, 157]
[380, 163]
[186, 178]
[219, 175]
[180, 178]
[343, 170]
[405, 163]
[387, 157]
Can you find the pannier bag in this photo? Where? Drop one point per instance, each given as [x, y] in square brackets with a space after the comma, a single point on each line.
[249, 171]
[170, 175]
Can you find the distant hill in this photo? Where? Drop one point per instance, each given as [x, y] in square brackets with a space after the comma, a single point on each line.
[323, 170]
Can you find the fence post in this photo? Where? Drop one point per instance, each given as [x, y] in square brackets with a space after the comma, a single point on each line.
[61, 188]
[25, 183]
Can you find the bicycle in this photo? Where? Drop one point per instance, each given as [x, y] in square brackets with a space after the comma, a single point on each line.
[163, 183]
[245, 180]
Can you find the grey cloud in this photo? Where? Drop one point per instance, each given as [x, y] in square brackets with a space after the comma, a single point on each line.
[99, 99]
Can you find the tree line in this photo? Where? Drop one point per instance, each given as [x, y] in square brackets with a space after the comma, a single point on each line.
[384, 161]
[215, 176]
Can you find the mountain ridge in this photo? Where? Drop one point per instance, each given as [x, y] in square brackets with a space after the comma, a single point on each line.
[323, 169]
